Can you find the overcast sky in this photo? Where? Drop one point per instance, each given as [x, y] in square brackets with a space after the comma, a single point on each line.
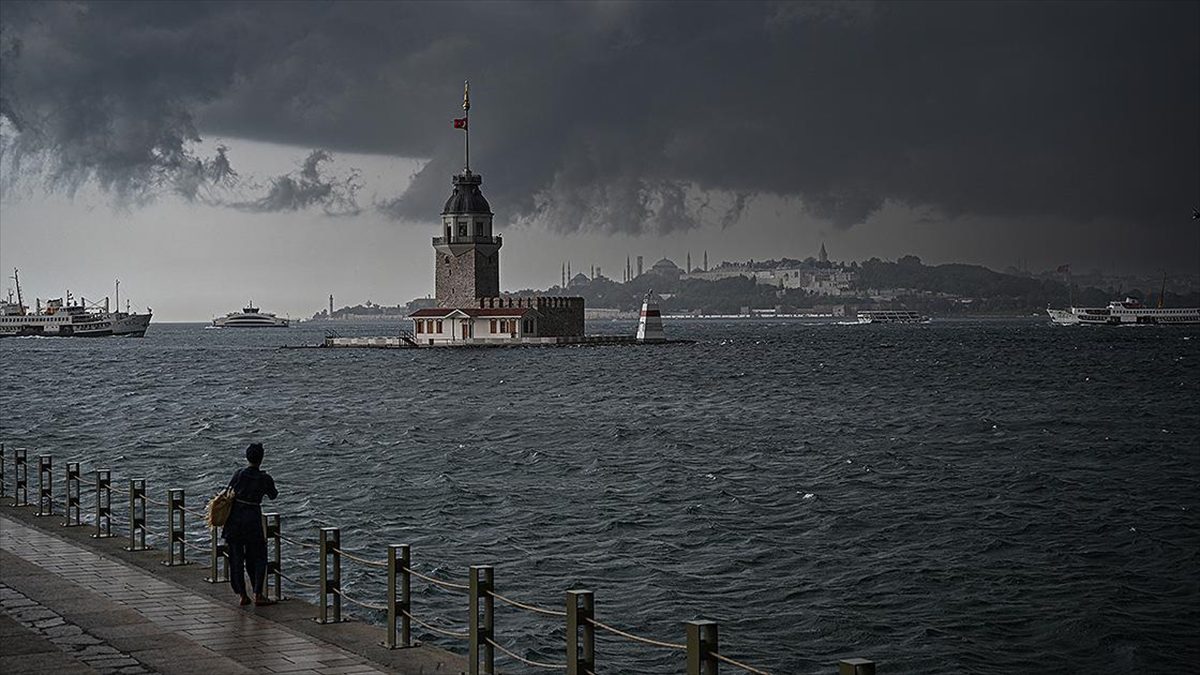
[209, 153]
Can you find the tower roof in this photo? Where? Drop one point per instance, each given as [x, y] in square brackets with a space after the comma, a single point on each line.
[466, 197]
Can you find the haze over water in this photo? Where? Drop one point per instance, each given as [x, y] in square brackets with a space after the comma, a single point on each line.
[992, 496]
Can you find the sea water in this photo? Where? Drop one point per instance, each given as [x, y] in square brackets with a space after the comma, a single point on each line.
[991, 496]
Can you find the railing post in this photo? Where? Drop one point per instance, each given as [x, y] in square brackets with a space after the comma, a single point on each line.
[103, 504]
[701, 645]
[481, 631]
[74, 517]
[581, 654]
[45, 486]
[176, 529]
[218, 558]
[21, 476]
[331, 576]
[856, 667]
[137, 515]
[272, 530]
[399, 608]
[3, 486]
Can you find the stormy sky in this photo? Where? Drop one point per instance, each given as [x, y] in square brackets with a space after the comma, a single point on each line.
[205, 152]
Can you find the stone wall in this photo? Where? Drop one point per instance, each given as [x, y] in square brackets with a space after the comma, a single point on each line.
[560, 316]
[460, 279]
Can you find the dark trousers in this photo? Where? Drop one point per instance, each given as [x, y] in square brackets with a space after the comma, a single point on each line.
[247, 557]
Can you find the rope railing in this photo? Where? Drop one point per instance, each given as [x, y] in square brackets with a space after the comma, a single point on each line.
[637, 638]
[125, 504]
[528, 662]
[529, 608]
[299, 583]
[302, 544]
[373, 563]
[360, 603]
[440, 631]
[738, 664]
[437, 582]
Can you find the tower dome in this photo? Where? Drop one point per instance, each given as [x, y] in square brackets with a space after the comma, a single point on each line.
[466, 197]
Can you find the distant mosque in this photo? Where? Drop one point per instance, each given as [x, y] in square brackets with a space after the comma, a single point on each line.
[470, 307]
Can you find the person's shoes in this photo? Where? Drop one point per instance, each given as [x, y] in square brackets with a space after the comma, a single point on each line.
[262, 600]
[244, 601]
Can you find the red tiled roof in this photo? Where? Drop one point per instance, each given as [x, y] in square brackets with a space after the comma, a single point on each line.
[443, 312]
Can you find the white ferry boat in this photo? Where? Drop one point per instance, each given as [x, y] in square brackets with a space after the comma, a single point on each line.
[68, 317]
[891, 316]
[1127, 312]
[250, 317]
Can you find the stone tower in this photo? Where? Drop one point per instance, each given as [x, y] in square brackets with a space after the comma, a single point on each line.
[468, 254]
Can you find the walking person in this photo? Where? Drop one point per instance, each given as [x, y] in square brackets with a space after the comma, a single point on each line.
[247, 543]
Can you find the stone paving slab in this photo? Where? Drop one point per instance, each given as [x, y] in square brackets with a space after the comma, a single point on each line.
[93, 611]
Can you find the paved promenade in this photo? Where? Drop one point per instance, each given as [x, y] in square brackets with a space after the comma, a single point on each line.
[70, 607]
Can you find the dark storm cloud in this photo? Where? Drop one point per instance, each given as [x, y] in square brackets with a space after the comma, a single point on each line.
[307, 188]
[634, 117]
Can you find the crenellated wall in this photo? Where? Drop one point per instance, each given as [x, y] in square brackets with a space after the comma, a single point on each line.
[560, 316]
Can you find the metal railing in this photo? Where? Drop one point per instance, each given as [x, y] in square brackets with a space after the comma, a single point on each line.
[701, 653]
[45, 485]
[73, 507]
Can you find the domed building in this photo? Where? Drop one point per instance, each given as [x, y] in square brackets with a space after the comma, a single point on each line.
[666, 268]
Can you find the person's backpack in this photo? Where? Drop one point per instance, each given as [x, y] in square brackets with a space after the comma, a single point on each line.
[218, 508]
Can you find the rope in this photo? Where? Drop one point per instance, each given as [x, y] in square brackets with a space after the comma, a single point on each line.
[194, 512]
[299, 583]
[535, 664]
[156, 502]
[738, 664]
[636, 638]
[298, 543]
[440, 631]
[528, 608]
[360, 603]
[372, 563]
[437, 582]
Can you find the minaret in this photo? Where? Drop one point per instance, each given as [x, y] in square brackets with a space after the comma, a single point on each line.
[706, 261]
[468, 254]
[689, 263]
[824, 257]
[564, 276]
[331, 305]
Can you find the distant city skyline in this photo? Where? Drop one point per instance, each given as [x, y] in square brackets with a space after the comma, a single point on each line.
[283, 152]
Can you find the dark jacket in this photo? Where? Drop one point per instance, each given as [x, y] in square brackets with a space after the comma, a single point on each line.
[250, 485]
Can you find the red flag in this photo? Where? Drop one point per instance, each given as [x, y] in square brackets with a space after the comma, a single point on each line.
[460, 123]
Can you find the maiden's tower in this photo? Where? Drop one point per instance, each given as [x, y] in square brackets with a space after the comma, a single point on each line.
[471, 309]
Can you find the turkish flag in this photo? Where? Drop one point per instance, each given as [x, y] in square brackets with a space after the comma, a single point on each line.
[460, 123]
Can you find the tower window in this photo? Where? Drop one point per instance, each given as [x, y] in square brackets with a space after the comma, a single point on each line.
[479, 228]
[462, 230]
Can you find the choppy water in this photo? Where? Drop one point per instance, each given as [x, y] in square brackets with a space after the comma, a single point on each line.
[991, 497]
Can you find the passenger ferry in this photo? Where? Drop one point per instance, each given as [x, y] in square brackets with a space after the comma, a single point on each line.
[1127, 312]
[250, 317]
[68, 317]
[891, 316]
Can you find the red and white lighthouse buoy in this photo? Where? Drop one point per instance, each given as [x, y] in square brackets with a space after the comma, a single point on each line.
[650, 325]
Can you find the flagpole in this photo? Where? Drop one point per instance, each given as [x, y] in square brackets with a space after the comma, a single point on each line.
[467, 121]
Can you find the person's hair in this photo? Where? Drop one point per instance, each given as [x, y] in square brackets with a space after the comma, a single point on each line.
[254, 453]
